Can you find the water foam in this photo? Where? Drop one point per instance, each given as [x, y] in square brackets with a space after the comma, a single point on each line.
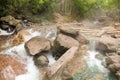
[91, 59]
[32, 71]
[3, 32]
[50, 58]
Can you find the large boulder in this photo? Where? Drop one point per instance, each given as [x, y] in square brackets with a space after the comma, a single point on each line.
[82, 39]
[12, 22]
[37, 45]
[63, 43]
[113, 62]
[73, 30]
[66, 41]
[68, 30]
[10, 67]
[106, 44]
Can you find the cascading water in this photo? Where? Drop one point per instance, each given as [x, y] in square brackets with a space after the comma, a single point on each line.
[32, 70]
[92, 44]
[92, 61]
[94, 65]
[33, 73]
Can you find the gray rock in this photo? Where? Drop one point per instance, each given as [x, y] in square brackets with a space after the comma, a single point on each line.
[37, 45]
[42, 61]
[62, 44]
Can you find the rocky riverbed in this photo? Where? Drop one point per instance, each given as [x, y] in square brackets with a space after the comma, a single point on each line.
[58, 51]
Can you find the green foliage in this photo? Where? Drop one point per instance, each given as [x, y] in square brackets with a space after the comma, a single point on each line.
[23, 6]
[84, 5]
[39, 5]
[82, 8]
[87, 6]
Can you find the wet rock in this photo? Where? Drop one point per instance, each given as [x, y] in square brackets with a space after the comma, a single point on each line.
[68, 30]
[115, 33]
[17, 39]
[10, 67]
[66, 41]
[117, 26]
[63, 43]
[106, 44]
[12, 22]
[72, 66]
[37, 45]
[19, 27]
[113, 63]
[42, 61]
[113, 59]
[6, 27]
[101, 47]
[66, 65]
[82, 39]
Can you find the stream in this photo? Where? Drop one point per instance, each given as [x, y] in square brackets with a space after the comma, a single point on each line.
[95, 65]
[33, 73]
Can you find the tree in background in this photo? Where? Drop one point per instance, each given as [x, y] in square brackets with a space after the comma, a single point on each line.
[87, 8]
[13, 7]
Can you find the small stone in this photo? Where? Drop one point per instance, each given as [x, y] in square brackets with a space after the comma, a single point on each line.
[42, 61]
[99, 56]
[104, 64]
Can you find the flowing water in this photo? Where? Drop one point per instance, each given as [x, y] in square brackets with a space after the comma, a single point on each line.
[92, 60]
[3, 32]
[95, 65]
[33, 73]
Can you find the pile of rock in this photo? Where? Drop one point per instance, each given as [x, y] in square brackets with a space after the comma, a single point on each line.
[10, 24]
[66, 50]
[35, 47]
[68, 36]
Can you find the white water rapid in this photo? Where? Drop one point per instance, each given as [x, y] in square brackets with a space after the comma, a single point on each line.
[33, 73]
[92, 61]
[3, 32]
